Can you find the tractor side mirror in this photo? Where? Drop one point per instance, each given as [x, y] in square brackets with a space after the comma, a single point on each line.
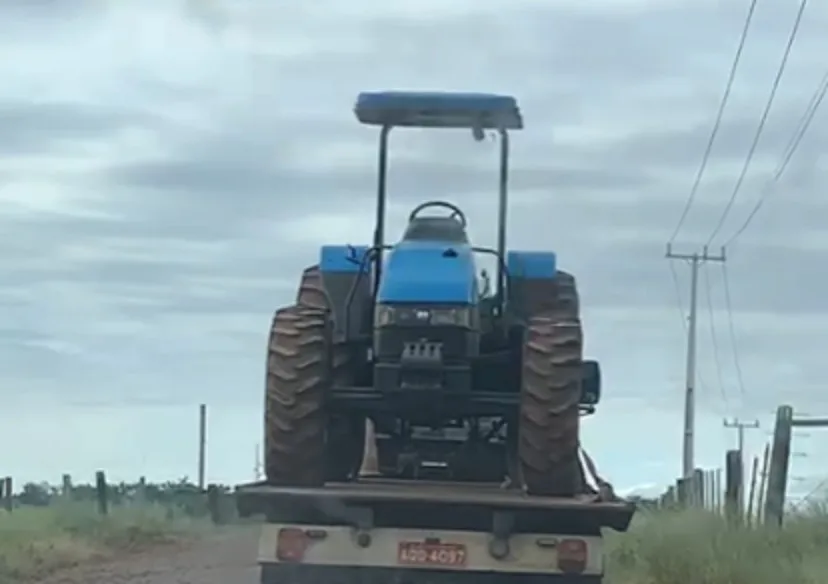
[590, 383]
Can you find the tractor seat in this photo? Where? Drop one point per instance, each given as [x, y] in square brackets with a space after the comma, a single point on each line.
[445, 229]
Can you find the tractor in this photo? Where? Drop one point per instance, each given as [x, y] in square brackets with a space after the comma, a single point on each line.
[453, 378]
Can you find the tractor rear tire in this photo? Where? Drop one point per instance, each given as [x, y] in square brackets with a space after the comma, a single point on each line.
[548, 432]
[297, 380]
[304, 445]
[311, 292]
[345, 434]
[567, 300]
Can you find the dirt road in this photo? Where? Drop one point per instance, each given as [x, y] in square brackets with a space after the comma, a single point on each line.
[228, 558]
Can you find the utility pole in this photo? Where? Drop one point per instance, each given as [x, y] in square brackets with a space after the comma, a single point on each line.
[740, 426]
[695, 260]
[202, 445]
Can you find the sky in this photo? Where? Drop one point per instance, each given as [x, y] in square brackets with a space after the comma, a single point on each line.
[169, 168]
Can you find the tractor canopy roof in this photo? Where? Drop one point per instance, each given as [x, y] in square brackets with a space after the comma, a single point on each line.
[439, 109]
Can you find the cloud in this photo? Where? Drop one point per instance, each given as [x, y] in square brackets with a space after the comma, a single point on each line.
[168, 169]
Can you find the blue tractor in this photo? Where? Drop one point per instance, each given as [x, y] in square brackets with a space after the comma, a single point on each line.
[456, 379]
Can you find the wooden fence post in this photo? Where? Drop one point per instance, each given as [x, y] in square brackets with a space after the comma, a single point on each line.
[683, 489]
[669, 498]
[778, 471]
[66, 482]
[698, 488]
[754, 472]
[709, 491]
[8, 494]
[141, 492]
[733, 484]
[214, 503]
[763, 481]
[101, 493]
[717, 490]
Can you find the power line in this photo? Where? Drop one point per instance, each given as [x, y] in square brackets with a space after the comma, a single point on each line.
[790, 149]
[729, 305]
[717, 124]
[713, 336]
[762, 121]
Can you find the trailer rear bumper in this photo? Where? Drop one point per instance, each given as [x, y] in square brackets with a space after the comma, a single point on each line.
[432, 505]
[342, 555]
[272, 573]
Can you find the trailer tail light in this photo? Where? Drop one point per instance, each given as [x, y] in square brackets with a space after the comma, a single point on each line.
[572, 556]
[291, 544]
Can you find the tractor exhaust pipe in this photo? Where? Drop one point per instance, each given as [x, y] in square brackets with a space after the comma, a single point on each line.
[370, 458]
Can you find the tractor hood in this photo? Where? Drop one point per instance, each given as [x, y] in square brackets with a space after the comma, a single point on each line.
[429, 272]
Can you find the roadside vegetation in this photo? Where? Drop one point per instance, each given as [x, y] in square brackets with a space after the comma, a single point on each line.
[44, 532]
[700, 547]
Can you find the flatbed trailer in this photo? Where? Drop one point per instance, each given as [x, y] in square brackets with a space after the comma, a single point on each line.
[415, 531]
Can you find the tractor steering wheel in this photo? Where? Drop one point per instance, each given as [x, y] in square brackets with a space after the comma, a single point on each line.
[455, 211]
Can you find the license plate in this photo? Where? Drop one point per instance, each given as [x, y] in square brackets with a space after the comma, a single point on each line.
[431, 554]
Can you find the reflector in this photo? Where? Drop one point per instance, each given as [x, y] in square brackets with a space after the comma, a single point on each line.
[291, 544]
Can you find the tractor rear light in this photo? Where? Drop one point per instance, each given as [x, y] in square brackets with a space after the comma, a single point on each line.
[572, 556]
[291, 544]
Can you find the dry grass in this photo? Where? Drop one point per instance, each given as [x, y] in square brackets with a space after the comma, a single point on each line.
[695, 547]
[38, 540]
